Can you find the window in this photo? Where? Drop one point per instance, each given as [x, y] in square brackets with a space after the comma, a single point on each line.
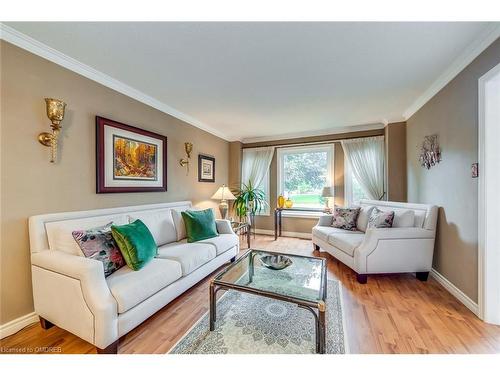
[303, 172]
[353, 190]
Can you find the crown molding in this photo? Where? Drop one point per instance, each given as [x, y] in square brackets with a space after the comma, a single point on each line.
[468, 55]
[314, 133]
[27, 43]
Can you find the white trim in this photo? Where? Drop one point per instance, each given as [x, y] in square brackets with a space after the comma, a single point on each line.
[313, 133]
[40, 49]
[269, 232]
[455, 292]
[18, 324]
[488, 258]
[468, 55]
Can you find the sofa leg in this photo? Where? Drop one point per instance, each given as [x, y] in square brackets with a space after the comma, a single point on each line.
[110, 349]
[45, 323]
[233, 259]
[422, 276]
[362, 279]
[315, 247]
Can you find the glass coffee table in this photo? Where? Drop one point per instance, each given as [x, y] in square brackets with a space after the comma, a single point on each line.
[302, 283]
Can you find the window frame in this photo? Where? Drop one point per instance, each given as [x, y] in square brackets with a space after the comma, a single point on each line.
[282, 151]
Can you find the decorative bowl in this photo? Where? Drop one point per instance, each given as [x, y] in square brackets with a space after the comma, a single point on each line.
[276, 262]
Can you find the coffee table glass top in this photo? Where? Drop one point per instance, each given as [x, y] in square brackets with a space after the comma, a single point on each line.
[304, 279]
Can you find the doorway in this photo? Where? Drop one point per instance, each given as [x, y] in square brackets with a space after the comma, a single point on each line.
[489, 196]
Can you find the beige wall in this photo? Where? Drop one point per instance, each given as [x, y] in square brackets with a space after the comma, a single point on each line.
[453, 115]
[395, 157]
[31, 185]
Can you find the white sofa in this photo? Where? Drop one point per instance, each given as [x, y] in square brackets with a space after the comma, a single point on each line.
[70, 291]
[389, 250]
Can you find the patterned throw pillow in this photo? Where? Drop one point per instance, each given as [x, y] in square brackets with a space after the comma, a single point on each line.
[380, 219]
[98, 243]
[345, 218]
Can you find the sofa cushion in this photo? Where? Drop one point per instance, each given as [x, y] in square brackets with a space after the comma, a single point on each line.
[98, 243]
[136, 243]
[380, 219]
[404, 219]
[200, 225]
[130, 288]
[60, 233]
[347, 241]
[323, 232]
[190, 255]
[345, 218]
[223, 242]
[160, 223]
[364, 215]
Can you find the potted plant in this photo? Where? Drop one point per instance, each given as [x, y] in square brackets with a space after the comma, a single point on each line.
[249, 200]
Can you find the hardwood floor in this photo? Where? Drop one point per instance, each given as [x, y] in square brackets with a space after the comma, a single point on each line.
[389, 314]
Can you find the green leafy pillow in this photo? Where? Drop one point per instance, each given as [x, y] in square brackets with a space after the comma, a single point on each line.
[200, 225]
[136, 243]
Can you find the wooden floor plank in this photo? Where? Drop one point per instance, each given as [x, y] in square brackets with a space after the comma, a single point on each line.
[389, 314]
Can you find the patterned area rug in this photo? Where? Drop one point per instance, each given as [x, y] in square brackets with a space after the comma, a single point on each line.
[248, 324]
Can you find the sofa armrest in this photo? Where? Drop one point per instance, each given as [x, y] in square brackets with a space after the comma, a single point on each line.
[395, 250]
[224, 226]
[65, 268]
[395, 233]
[325, 220]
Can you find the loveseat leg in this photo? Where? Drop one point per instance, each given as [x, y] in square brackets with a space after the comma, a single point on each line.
[110, 349]
[422, 276]
[315, 247]
[362, 279]
[233, 259]
[45, 323]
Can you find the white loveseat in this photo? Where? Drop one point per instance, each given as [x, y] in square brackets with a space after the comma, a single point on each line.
[71, 291]
[399, 249]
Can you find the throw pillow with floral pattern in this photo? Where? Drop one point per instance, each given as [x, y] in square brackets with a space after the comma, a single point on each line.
[380, 219]
[345, 218]
[99, 244]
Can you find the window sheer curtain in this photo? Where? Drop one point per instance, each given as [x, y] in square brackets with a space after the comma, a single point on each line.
[366, 159]
[255, 167]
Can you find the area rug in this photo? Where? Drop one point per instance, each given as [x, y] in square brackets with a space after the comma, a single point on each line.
[248, 324]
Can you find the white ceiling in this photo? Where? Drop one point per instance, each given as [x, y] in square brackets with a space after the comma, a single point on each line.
[248, 80]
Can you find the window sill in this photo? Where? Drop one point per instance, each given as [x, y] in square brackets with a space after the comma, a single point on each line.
[303, 214]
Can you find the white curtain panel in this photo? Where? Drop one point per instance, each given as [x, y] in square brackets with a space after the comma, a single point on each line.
[366, 160]
[255, 164]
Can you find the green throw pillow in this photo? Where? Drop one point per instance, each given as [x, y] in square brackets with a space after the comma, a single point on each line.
[136, 243]
[200, 225]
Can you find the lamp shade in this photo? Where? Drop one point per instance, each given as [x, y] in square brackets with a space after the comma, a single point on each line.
[223, 193]
[328, 192]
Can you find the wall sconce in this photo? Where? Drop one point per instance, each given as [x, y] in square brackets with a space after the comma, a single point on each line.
[188, 147]
[55, 113]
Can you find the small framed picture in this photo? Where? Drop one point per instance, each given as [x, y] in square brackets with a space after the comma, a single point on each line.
[206, 168]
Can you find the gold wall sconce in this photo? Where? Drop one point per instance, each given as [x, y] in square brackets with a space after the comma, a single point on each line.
[188, 147]
[55, 113]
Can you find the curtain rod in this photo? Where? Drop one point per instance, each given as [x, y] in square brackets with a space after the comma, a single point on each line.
[311, 142]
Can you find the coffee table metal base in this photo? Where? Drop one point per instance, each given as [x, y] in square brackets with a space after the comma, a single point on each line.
[317, 310]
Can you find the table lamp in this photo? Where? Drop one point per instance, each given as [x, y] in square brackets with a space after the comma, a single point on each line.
[224, 194]
[327, 193]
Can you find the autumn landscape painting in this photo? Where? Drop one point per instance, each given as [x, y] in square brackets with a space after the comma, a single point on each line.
[134, 159]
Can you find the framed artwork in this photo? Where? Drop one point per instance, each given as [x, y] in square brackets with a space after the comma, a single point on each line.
[206, 168]
[129, 159]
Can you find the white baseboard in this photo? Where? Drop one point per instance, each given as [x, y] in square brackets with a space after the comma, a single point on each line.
[16, 325]
[306, 236]
[455, 292]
